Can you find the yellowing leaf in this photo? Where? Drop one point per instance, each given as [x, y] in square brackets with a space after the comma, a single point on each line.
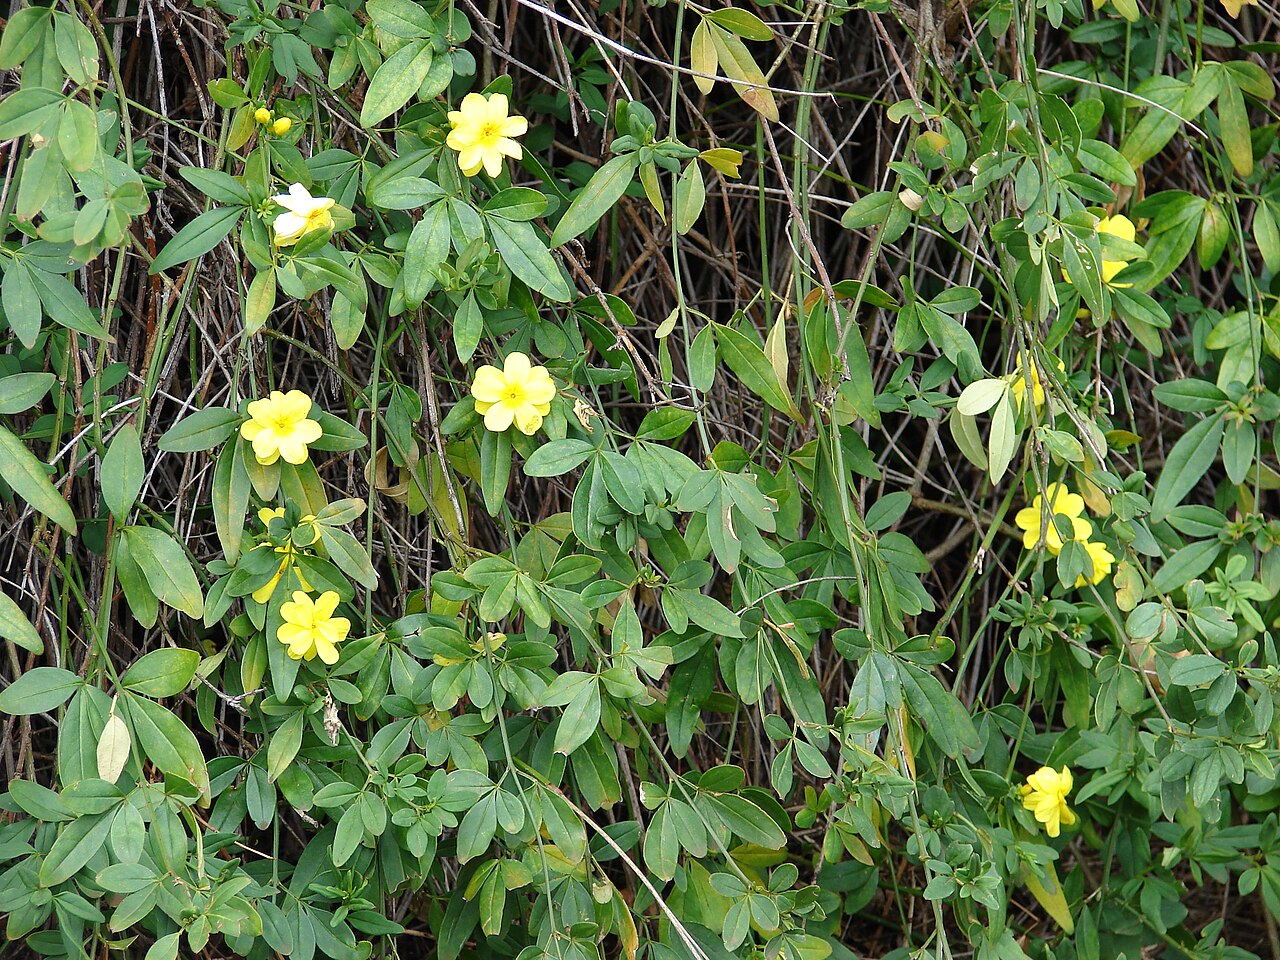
[1048, 893]
[741, 69]
[702, 57]
[114, 747]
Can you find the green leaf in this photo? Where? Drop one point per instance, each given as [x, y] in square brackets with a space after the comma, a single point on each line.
[26, 475]
[580, 719]
[495, 469]
[396, 81]
[162, 673]
[65, 305]
[21, 301]
[202, 430]
[20, 392]
[16, 628]
[741, 22]
[1107, 162]
[23, 111]
[167, 570]
[558, 457]
[122, 471]
[752, 367]
[602, 191]
[350, 556]
[259, 301]
[217, 186]
[1186, 465]
[75, 847]
[526, 255]
[23, 35]
[197, 238]
[166, 741]
[1233, 126]
[691, 194]
[284, 745]
[1196, 670]
[38, 691]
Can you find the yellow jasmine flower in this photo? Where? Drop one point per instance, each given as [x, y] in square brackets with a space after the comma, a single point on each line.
[310, 628]
[265, 592]
[518, 393]
[1122, 227]
[282, 126]
[262, 115]
[1061, 501]
[303, 214]
[1027, 377]
[1102, 563]
[1233, 7]
[482, 133]
[1045, 795]
[278, 426]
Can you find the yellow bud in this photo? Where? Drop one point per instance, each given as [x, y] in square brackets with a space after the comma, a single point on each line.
[262, 115]
[281, 126]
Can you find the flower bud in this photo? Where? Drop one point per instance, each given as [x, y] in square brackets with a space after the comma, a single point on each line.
[281, 126]
[262, 115]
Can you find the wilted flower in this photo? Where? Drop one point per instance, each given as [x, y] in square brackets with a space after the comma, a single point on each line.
[279, 426]
[1045, 795]
[310, 629]
[518, 393]
[482, 133]
[303, 214]
[1061, 502]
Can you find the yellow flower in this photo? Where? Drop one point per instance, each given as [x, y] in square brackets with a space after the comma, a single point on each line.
[1102, 561]
[278, 426]
[262, 115]
[310, 628]
[264, 592]
[1028, 376]
[281, 126]
[1061, 501]
[1122, 227]
[1233, 7]
[303, 214]
[482, 133]
[517, 393]
[1045, 795]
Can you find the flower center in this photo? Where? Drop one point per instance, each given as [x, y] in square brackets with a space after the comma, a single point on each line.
[282, 424]
[514, 394]
[490, 132]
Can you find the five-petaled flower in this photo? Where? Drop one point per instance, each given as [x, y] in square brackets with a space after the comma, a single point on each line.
[264, 592]
[310, 629]
[1037, 518]
[482, 133]
[518, 393]
[279, 426]
[1045, 795]
[303, 214]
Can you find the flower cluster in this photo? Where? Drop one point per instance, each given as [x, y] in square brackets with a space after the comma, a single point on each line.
[1037, 522]
[278, 125]
[1045, 795]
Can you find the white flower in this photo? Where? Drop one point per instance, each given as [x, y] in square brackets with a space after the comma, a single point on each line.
[303, 214]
